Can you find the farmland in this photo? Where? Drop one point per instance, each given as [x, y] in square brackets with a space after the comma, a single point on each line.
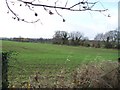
[49, 53]
[33, 57]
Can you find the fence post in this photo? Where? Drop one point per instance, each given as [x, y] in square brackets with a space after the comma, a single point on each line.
[118, 45]
[118, 72]
[0, 70]
[5, 70]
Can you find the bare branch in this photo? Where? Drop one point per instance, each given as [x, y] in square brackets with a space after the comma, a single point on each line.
[83, 6]
[66, 3]
[17, 16]
[11, 9]
[70, 8]
[58, 12]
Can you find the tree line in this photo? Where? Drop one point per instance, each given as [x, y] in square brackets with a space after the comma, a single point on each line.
[109, 39]
[75, 38]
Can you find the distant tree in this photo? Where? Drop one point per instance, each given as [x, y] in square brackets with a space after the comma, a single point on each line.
[108, 44]
[113, 35]
[76, 38]
[57, 38]
[60, 37]
[112, 38]
[51, 7]
[99, 37]
[85, 42]
[109, 39]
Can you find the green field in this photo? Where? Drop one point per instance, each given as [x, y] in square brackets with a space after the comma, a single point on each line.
[56, 54]
[40, 55]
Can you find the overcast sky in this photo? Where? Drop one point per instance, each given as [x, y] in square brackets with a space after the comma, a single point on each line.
[89, 23]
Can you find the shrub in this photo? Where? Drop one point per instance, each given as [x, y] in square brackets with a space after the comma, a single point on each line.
[92, 75]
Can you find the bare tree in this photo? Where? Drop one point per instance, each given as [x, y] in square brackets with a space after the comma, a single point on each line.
[76, 37]
[36, 6]
[60, 37]
[99, 37]
[113, 35]
[110, 38]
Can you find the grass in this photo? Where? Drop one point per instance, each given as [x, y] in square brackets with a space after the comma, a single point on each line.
[49, 53]
[43, 58]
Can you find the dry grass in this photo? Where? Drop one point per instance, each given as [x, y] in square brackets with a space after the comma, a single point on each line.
[102, 74]
[97, 75]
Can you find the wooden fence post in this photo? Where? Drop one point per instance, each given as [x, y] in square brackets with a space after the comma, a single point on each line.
[118, 72]
[0, 70]
[5, 70]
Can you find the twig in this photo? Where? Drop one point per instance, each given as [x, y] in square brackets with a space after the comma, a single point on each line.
[65, 8]
[16, 15]
[85, 5]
